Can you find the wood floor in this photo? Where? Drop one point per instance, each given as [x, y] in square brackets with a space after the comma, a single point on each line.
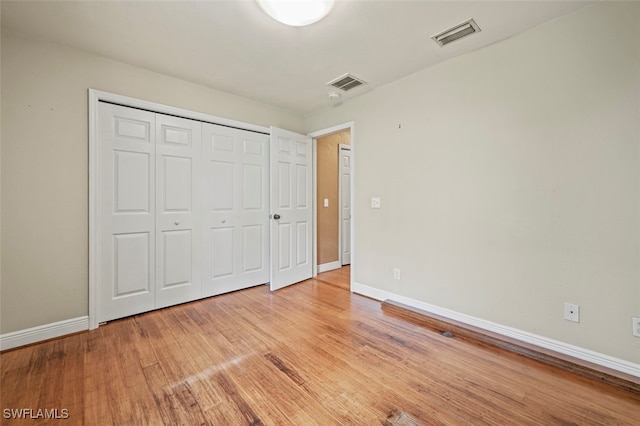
[311, 354]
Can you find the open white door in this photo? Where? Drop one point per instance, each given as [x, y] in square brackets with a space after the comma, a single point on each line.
[291, 208]
[345, 204]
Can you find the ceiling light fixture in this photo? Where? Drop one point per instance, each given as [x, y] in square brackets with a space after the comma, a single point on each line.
[296, 13]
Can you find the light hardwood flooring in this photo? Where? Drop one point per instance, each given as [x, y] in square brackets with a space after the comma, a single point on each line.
[310, 354]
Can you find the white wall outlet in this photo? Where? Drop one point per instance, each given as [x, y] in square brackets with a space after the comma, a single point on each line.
[636, 326]
[396, 273]
[326, 202]
[572, 312]
[375, 202]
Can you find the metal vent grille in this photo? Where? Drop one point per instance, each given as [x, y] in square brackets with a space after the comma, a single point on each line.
[456, 33]
[346, 82]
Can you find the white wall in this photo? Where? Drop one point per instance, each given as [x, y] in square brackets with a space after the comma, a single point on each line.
[509, 180]
[45, 171]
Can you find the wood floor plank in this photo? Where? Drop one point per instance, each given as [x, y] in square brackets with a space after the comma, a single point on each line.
[96, 410]
[313, 353]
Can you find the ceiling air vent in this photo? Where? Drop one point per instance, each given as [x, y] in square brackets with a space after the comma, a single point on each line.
[346, 82]
[456, 33]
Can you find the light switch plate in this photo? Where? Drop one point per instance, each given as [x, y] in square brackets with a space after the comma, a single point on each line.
[375, 202]
[326, 202]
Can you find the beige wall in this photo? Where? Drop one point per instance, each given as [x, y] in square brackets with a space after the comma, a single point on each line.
[327, 158]
[513, 184]
[45, 172]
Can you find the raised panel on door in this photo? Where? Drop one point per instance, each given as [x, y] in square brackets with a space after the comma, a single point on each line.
[131, 264]
[254, 244]
[291, 227]
[285, 248]
[178, 223]
[222, 183]
[221, 252]
[235, 194]
[302, 246]
[132, 185]
[125, 211]
[177, 184]
[178, 258]
[346, 241]
[345, 204]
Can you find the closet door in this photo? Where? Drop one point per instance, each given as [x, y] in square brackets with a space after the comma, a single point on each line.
[178, 175]
[236, 212]
[126, 212]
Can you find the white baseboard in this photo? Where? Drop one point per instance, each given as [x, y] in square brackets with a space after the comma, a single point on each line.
[524, 336]
[43, 332]
[325, 267]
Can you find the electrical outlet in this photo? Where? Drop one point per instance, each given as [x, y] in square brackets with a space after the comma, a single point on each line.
[396, 273]
[636, 326]
[375, 202]
[572, 312]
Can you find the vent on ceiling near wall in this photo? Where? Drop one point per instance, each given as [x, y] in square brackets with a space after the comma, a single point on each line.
[346, 82]
[456, 33]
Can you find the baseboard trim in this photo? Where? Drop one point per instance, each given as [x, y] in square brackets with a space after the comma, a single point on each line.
[326, 267]
[582, 354]
[43, 332]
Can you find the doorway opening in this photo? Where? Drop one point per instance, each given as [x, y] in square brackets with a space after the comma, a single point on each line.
[333, 195]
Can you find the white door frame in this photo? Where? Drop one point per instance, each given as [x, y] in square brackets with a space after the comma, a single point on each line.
[315, 135]
[95, 96]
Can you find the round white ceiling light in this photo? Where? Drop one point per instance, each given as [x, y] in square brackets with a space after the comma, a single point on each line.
[296, 13]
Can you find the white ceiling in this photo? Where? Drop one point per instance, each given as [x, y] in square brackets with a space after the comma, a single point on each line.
[233, 46]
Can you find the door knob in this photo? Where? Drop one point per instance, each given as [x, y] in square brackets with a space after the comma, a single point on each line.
[176, 223]
[276, 216]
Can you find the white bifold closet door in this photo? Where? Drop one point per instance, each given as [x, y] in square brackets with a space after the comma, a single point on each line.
[236, 212]
[182, 210]
[178, 218]
[126, 212]
[148, 211]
